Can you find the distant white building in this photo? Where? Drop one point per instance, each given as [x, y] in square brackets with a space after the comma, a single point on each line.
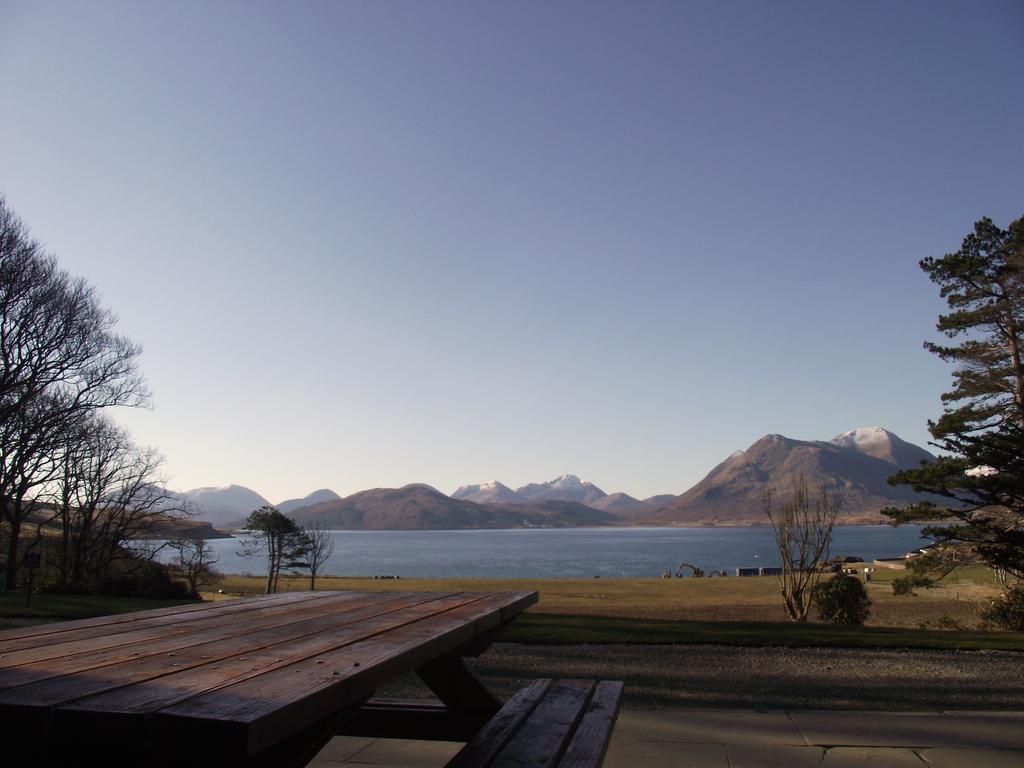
[983, 471]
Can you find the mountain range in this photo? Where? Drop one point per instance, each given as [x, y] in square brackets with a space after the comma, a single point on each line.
[856, 465]
[420, 507]
[229, 504]
[563, 488]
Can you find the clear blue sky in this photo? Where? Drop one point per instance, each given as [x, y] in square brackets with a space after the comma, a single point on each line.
[372, 243]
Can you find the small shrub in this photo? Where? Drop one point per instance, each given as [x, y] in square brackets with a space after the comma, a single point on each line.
[842, 600]
[1007, 610]
[905, 585]
[948, 622]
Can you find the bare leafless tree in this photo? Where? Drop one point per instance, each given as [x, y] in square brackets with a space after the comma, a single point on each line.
[194, 560]
[803, 535]
[60, 363]
[319, 548]
[107, 496]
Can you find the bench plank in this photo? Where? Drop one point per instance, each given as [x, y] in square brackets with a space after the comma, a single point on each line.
[548, 724]
[493, 737]
[590, 742]
[543, 738]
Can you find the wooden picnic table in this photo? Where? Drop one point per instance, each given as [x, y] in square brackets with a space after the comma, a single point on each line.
[249, 682]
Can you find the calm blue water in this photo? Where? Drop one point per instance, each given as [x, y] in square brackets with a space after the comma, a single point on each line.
[567, 553]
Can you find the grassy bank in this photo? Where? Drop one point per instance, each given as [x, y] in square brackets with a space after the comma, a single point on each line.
[730, 611]
[956, 603]
[553, 629]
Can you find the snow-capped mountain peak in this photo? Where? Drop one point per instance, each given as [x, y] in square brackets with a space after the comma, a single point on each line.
[476, 487]
[489, 492]
[567, 481]
[864, 436]
[882, 444]
[563, 488]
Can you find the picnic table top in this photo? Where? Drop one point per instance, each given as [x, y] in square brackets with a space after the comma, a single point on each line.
[243, 674]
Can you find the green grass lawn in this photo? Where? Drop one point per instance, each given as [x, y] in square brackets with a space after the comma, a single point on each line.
[65, 607]
[646, 611]
[562, 629]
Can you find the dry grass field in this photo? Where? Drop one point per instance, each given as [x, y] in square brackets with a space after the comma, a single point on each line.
[956, 603]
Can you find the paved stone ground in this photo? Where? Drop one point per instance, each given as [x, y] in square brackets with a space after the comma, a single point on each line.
[752, 739]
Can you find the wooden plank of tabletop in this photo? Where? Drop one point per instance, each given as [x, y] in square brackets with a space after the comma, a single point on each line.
[132, 635]
[146, 696]
[121, 623]
[206, 644]
[38, 630]
[255, 714]
[28, 650]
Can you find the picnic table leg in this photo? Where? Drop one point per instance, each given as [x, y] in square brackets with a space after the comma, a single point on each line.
[297, 750]
[460, 690]
[466, 706]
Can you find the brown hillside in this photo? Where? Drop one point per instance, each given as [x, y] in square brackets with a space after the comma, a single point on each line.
[417, 507]
[733, 492]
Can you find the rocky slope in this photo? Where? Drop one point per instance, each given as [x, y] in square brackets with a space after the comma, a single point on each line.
[855, 465]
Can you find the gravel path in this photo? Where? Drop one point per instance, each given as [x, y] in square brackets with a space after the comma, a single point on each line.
[706, 676]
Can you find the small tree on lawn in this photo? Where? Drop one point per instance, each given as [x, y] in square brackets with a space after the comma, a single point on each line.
[803, 535]
[279, 537]
[195, 561]
[842, 600]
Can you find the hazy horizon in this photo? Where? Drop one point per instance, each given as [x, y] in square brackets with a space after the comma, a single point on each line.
[513, 486]
[365, 245]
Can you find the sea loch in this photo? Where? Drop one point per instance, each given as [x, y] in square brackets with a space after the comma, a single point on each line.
[567, 553]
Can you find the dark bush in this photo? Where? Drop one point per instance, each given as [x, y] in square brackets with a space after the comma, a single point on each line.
[905, 585]
[1007, 610]
[146, 579]
[842, 600]
[131, 578]
[68, 588]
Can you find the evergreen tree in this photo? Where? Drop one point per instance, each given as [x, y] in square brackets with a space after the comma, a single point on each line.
[981, 431]
[842, 600]
[279, 537]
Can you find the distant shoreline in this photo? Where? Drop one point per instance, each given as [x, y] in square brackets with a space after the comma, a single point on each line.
[569, 552]
[226, 533]
[200, 529]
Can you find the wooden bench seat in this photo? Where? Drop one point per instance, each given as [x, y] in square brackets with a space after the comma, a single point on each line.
[563, 723]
